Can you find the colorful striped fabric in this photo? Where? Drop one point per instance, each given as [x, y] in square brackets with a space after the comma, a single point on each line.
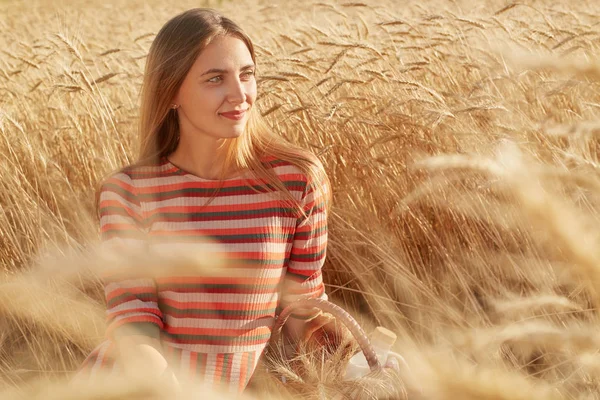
[212, 327]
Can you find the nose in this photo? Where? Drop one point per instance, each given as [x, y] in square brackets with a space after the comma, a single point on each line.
[237, 92]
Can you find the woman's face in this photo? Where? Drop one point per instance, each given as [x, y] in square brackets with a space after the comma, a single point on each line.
[217, 93]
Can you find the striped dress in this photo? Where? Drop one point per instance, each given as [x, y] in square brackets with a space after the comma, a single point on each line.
[213, 328]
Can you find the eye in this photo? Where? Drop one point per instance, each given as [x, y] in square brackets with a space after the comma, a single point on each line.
[248, 73]
[215, 79]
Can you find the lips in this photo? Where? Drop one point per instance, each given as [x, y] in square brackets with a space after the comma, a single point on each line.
[235, 115]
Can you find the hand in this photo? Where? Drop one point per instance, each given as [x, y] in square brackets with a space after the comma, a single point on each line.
[326, 332]
[141, 357]
[170, 381]
[321, 321]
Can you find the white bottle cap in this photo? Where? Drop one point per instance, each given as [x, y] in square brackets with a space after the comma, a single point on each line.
[384, 336]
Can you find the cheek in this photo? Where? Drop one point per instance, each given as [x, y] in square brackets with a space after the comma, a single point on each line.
[210, 100]
[251, 92]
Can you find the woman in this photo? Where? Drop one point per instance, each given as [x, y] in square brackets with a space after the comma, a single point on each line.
[208, 167]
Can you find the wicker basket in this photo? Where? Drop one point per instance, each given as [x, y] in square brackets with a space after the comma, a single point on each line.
[341, 315]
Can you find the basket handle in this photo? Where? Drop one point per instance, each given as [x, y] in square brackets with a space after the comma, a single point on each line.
[340, 314]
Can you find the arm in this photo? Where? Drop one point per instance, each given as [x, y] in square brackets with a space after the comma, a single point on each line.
[134, 320]
[303, 278]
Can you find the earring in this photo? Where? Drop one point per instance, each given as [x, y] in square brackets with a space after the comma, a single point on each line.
[174, 106]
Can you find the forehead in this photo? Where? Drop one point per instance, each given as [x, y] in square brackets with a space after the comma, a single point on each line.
[223, 52]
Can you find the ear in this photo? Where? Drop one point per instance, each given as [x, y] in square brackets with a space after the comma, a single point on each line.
[176, 99]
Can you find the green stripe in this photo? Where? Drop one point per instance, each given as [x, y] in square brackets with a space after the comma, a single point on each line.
[226, 360]
[141, 296]
[276, 162]
[113, 187]
[310, 256]
[213, 338]
[253, 236]
[250, 365]
[184, 216]
[312, 232]
[201, 364]
[316, 208]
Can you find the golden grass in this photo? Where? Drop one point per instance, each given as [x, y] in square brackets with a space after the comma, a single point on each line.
[462, 141]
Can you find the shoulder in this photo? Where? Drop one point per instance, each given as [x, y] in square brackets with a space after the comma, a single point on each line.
[127, 186]
[299, 169]
[123, 183]
[124, 178]
[130, 176]
[118, 186]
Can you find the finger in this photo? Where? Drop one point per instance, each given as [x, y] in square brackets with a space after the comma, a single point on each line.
[317, 323]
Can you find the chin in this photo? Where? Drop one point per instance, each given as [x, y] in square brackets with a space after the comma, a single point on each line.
[237, 132]
[230, 135]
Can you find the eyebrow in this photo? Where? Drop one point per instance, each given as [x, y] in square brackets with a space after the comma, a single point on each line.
[224, 71]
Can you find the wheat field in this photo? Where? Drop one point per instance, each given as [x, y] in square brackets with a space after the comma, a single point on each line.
[461, 138]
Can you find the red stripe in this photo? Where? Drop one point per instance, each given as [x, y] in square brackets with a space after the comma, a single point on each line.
[209, 305]
[218, 371]
[183, 184]
[151, 310]
[273, 230]
[193, 364]
[229, 368]
[242, 381]
[137, 318]
[203, 364]
[215, 342]
[216, 208]
[216, 280]
[261, 213]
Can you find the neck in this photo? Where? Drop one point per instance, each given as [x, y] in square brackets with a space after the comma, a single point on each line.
[202, 156]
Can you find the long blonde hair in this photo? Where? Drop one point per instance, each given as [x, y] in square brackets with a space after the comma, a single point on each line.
[171, 56]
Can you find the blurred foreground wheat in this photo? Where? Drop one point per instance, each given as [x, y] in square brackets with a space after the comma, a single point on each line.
[462, 140]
